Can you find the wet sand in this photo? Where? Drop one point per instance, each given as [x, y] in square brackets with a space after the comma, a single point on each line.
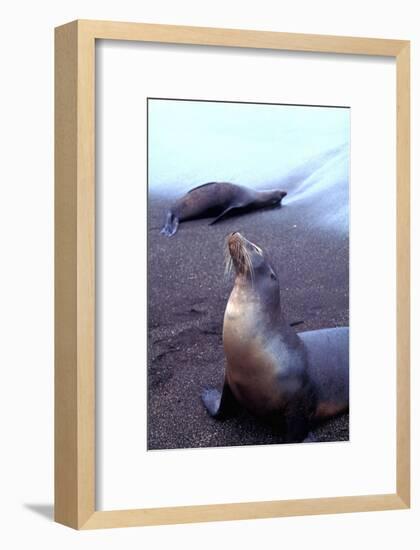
[188, 292]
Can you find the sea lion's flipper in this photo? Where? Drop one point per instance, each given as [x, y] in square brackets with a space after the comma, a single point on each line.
[219, 405]
[295, 421]
[296, 427]
[171, 225]
[311, 438]
[223, 214]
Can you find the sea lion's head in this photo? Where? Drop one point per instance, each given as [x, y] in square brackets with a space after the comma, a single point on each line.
[278, 196]
[253, 269]
[273, 197]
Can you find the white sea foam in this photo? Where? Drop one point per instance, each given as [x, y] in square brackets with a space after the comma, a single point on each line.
[325, 190]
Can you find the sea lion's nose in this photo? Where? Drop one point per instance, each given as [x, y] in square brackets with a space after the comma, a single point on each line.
[234, 238]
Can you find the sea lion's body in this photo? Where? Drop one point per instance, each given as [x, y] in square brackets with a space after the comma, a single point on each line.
[290, 379]
[328, 369]
[217, 199]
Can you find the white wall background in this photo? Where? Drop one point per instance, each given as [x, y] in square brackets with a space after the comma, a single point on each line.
[26, 290]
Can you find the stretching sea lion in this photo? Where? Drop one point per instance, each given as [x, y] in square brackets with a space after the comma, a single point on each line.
[217, 199]
[291, 380]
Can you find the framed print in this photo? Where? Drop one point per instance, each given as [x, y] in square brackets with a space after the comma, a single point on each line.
[232, 274]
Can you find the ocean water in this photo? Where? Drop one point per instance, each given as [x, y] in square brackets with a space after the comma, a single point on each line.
[302, 149]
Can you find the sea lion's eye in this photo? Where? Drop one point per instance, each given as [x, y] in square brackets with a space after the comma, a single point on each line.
[258, 250]
[273, 276]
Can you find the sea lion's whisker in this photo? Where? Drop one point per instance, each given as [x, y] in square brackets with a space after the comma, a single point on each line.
[228, 266]
[248, 263]
[236, 253]
[228, 258]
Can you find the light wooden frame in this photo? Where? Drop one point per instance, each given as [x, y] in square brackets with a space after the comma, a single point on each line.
[75, 272]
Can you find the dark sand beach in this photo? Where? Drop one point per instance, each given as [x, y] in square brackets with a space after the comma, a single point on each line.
[187, 296]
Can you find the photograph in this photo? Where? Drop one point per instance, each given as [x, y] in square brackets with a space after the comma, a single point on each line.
[248, 273]
[231, 275]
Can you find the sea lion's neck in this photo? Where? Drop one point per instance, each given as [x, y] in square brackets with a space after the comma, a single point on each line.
[247, 313]
[262, 197]
[248, 316]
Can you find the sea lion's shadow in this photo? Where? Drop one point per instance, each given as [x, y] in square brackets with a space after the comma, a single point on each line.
[237, 213]
[249, 429]
[255, 431]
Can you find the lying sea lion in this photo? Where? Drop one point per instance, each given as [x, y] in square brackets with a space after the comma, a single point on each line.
[290, 379]
[217, 199]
